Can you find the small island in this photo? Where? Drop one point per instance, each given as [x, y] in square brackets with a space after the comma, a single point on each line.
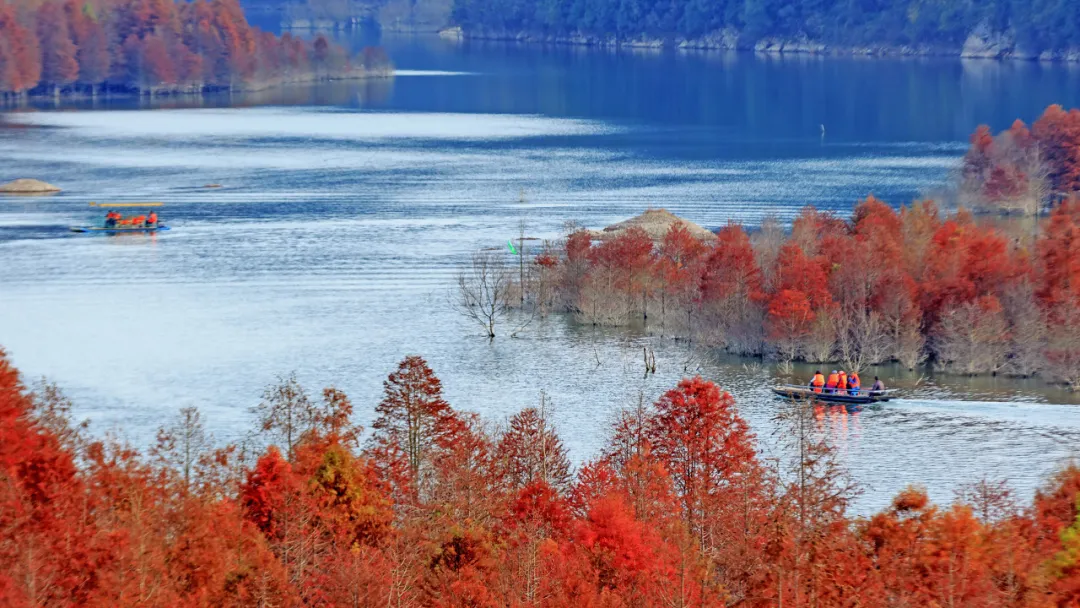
[28, 186]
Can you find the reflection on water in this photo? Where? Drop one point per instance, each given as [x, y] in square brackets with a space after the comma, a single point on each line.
[375, 91]
[330, 246]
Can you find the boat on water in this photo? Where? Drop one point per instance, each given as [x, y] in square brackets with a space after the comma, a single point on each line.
[122, 225]
[794, 392]
[118, 229]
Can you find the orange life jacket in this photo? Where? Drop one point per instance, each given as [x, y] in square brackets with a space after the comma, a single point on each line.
[152, 219]
[819, 380]
[853, 380]
[834, 379]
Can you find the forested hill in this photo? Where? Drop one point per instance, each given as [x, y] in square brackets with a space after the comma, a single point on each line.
[1024, 27]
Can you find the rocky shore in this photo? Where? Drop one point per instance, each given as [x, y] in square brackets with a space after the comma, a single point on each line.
[980, 44]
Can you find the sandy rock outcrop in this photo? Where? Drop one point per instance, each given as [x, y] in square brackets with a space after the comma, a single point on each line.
[655, 223]
[28, 186]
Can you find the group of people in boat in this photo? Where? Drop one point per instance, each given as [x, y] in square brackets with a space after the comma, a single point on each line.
[114, 219]
[842, 383]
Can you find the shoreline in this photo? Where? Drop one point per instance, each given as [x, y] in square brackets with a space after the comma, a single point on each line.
[81, 93]
[975, 48]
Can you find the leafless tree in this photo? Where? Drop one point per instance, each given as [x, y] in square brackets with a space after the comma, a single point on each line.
[484, 290]
[1063, 349]
[1027, 329]
[767, 242]
[285, 412]
[970, 340]
[819, 346]
[910, 346]
[992, 501]
[545, 274]
[183, 442]
[52, 410]
[862, 339]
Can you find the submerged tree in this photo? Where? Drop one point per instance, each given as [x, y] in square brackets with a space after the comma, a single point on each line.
[484, 291]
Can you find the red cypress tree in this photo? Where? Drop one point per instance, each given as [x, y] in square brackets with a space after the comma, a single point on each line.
[530, 451]
[414, 419]
[1058, 134]
[20, 54]
[58, 64]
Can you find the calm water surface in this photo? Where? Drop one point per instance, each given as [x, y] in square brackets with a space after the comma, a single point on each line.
[345, 210]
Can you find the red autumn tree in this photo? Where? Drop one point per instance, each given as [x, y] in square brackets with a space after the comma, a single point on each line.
[58, 64]
[1058, 134]
[48, 544]
[801, 273]
[92, 43]
[628, 259]
[1058, 255]
[20, 55]
[789, 322]
[530, 451]
[574, 270]
[678, 268]
[730, 272]
[414, 418]
[157, 63]
[705, 444]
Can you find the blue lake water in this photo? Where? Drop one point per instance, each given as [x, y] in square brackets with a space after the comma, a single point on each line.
[345, 210]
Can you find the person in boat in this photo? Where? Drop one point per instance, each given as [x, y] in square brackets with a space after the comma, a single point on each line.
[151, 220]
[841, 383]
[878, 387]
[817, 382]
[853, 384]
[139, 221]
[111, 219]
[832, 382]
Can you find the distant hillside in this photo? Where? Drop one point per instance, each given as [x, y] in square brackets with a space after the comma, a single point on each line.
[996, 28]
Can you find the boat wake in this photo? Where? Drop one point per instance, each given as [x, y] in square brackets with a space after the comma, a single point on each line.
[1022, 412]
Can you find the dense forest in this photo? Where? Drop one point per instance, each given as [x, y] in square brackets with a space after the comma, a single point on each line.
[882, 286]
[972, 294]
[436, 507]
[155, 46]
[1036, 25]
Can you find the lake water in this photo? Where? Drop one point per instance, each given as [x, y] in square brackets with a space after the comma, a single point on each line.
[345, 210]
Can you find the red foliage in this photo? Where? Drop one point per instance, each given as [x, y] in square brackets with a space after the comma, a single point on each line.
[58, 64]
[1058, 254]
[414, 420]
[802, 274]
[731, 269]
[20, 57]
[790, 315]
[152, 45]
[678, 513]
[704, 444]
[1058, 135]
[628, 257]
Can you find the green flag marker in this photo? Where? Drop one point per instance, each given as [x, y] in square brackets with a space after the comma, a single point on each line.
[511, 246]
